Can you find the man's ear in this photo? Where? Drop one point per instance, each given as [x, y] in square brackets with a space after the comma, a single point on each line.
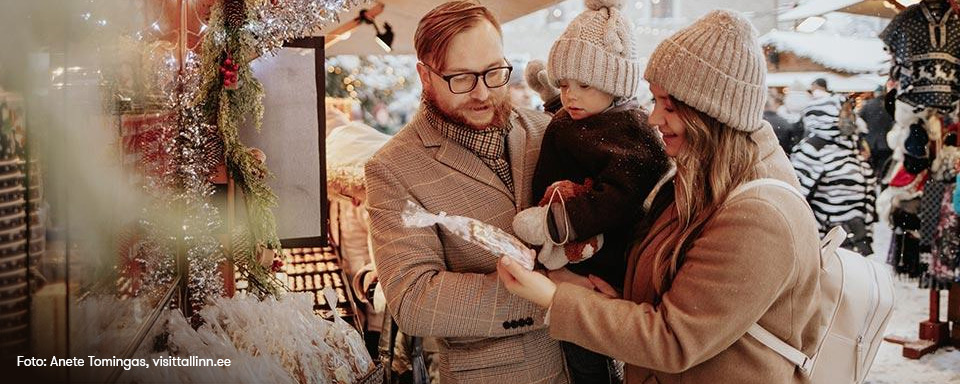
[424, 75]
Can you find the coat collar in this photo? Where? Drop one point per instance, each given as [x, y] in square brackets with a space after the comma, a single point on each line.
[772, 158]
[468, 163]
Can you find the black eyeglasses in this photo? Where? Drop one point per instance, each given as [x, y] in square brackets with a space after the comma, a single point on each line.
[464, 82]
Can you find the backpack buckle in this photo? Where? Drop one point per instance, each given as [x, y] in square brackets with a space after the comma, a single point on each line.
[806, 366]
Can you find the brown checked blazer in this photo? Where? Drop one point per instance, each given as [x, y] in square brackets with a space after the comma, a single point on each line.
[439, 285]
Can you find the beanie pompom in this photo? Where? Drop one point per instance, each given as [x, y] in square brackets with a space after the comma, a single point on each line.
[595, 5]
[538, 81]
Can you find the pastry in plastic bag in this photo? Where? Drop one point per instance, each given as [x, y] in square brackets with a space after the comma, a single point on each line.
[488, 237]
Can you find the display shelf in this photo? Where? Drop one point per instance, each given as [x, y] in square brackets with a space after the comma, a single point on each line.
[310, 267]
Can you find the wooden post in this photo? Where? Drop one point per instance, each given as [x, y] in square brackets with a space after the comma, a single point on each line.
[953, 313]
[933, 332]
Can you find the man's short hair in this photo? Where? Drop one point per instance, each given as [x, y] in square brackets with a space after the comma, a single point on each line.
[438, 27]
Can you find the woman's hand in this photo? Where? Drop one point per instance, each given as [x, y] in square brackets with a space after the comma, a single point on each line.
[529, 285]
[603, 287]
[564, 275]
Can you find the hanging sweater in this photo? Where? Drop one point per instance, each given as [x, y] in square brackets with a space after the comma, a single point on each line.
[837, 180]
[924, 42]
[625, 159]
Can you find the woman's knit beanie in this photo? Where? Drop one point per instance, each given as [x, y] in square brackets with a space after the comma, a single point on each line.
[715, 66]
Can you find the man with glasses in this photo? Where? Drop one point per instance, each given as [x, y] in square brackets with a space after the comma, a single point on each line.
[466, 153]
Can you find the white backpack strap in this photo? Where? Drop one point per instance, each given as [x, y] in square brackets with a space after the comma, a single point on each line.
[832, 240]
[802, 361]
[779, 346]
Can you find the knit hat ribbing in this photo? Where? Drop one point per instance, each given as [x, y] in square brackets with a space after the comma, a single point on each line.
[716, 66]
[598, 49]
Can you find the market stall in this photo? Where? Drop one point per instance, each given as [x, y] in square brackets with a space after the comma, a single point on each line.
[213, 114]
[850, 64]
[879, 8]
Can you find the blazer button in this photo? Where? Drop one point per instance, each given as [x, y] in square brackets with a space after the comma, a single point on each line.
[506, 325]
[529, 321]
[514, 324]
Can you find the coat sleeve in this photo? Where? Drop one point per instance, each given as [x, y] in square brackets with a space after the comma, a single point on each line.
[616, 199]
[423, 296]
[723, 287]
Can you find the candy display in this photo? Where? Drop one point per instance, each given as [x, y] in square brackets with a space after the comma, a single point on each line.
[488, 237]
[266, 340]
[310, 270]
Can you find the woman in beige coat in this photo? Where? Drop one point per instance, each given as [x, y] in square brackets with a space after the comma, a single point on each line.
[707, 267]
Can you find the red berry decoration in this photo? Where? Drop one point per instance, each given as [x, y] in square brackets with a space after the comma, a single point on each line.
[229, 70]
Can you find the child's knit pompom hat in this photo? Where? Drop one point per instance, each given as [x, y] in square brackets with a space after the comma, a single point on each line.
[598, 49]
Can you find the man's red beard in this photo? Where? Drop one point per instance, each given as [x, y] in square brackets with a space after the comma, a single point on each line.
[499, 103]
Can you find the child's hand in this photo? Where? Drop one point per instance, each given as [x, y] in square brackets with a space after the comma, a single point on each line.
[530, 225]
[539, 82]
[567, 190]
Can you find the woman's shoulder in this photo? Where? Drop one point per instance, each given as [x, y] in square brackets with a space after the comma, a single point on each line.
[766, 198]
[766, 227]
[772, 209]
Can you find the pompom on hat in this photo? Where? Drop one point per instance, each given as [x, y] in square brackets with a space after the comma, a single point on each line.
[717, 67]
[598, 49]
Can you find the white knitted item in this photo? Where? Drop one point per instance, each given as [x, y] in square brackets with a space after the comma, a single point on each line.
[537, 79]
[530, 225]
[552, 256]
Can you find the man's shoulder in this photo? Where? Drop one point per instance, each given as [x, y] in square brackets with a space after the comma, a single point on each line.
[405, 144]
[531, 120]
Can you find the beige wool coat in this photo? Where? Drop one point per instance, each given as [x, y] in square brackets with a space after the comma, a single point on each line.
[438, 284]
[756, 260]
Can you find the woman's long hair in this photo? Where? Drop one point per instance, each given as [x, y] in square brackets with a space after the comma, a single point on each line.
[715, 160]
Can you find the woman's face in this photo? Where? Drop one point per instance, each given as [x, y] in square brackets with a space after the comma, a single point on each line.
[668, 121]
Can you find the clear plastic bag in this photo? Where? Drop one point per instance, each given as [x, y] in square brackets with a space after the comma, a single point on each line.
[489, 237]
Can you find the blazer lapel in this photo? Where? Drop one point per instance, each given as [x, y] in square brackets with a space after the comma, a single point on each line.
[517, 145]
[457, 157]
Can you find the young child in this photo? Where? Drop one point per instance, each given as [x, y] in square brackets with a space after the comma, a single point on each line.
[598, 161]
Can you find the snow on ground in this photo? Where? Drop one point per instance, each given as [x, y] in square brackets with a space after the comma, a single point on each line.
[890, 367]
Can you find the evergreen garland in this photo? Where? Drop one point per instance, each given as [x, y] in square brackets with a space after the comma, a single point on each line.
[228, 108]
[241, 30]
